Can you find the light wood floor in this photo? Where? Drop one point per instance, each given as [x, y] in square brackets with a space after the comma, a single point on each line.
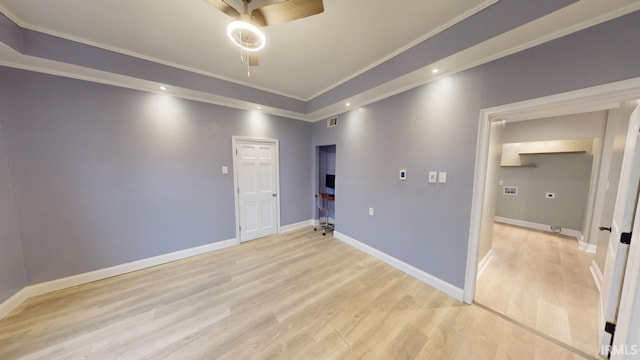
[293, 296]
[543, 281]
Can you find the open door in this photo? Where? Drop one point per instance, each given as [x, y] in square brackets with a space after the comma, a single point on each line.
[621, 229]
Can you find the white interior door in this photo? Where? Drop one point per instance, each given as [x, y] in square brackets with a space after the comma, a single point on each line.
[257, 183]
[622, 223]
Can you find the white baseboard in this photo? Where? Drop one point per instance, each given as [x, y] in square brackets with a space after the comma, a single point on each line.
[429, 279]
[597, 274]
[585, 246]
[38, 289]
[13, 302]
[484, 262]
[296, 226]
[543, 227]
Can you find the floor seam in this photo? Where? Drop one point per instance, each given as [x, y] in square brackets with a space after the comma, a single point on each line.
[537, 332]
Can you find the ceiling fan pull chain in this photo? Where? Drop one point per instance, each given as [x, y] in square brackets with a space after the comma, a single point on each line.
[248, 66]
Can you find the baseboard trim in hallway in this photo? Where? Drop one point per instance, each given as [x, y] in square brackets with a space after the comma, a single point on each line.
[547, 228]
[536, 332]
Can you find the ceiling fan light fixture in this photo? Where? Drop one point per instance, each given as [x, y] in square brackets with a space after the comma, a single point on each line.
[246, 36]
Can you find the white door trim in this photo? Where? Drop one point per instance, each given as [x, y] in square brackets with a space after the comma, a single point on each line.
[234, 142]
[579, 101]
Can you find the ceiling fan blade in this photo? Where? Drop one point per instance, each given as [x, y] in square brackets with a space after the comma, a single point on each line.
[254, 60]
[224, 7]
[286, 11]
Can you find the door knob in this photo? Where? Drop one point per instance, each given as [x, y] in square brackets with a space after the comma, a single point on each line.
[602, 228]
[274, 194]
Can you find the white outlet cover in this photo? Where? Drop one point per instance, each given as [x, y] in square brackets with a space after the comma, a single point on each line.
[433, 177]
[225, 170]
[442, 177]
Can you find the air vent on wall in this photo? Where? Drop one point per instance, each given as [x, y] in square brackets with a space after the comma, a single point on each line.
[332, 122]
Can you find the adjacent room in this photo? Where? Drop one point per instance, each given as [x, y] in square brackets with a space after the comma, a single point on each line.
[535, 267]
[319, 179]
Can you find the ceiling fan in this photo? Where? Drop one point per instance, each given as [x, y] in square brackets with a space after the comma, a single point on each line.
[244, 32]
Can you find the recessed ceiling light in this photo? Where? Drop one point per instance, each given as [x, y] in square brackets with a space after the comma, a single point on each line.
[348, 104]
[163, 88]
[435, 71]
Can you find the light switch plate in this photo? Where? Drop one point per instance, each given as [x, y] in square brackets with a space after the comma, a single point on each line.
[433, 177]
[442, 177]
[371, 211]
[225, 170]
[501, 182]
[403, 174]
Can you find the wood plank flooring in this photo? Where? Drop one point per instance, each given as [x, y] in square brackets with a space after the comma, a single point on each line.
[543, 281]
[293, 296]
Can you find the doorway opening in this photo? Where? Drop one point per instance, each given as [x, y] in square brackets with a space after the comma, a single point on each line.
[612, 98]
[326, 192]
[535, 256]
[256, 179]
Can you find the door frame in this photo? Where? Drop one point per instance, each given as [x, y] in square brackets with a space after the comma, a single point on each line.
[602, 97]
[236, 198]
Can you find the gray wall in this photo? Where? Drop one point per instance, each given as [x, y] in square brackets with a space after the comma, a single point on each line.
[434, 127]
[12, 275]
[566, 175]
[576, 126]
[105, 175]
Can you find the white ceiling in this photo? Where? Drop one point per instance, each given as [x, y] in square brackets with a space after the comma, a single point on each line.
[281, 72]
[302, 59]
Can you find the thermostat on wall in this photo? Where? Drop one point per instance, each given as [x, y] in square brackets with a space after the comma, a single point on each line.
[403, 174]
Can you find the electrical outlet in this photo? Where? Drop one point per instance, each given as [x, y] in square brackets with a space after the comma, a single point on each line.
[225, 170]
[370, 211]
[442, 177]
[433, 177]
[550, 195]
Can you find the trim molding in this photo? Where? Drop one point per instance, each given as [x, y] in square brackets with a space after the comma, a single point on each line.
[23, 24]
[327, 111]
[484, 262]
[13, 302]
[536, 226]
[584, 246]
[410, 270]
[296, 226]
[577, 99]
[458, 19]
[597, 274]
[38, 289]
